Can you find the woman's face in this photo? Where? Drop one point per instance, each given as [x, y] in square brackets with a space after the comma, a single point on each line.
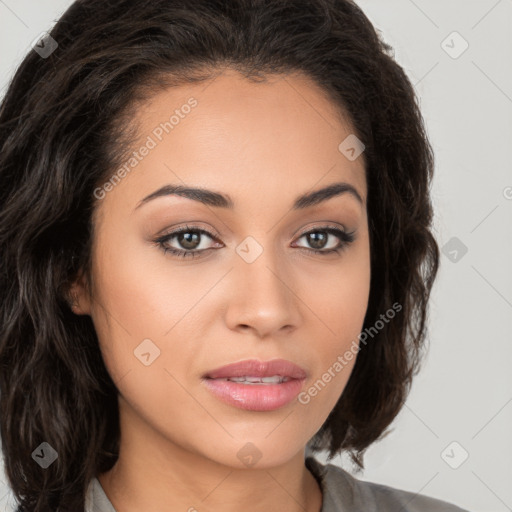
[255, 288]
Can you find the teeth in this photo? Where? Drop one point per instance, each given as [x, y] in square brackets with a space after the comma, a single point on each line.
[275, 379]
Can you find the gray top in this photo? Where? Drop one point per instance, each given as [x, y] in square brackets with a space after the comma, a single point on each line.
[341, 493]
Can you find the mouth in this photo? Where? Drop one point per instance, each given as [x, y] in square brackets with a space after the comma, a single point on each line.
[248, 379]
[255, 370]
[256, 385]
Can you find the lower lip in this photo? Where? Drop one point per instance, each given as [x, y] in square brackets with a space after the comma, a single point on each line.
[255, 397]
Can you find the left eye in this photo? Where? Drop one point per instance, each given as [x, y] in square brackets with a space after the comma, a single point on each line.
[189, 238]
[319, 242]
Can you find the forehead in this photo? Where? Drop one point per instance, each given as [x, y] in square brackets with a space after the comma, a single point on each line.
[228, 133]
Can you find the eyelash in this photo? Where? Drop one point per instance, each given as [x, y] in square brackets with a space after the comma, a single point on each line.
[345, 237]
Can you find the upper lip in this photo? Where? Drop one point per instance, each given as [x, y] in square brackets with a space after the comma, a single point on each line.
[255, 368]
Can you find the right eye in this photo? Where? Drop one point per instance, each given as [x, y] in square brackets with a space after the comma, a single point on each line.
[188, 237]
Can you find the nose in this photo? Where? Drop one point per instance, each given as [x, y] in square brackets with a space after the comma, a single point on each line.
[262, 298]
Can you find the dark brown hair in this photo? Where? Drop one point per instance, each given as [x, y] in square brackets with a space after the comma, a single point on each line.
[61, 136]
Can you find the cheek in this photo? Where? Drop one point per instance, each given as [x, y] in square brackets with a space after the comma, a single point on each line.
[335, 359]
[141, 290]
[340, 302]
[339, 296]
[145, 305]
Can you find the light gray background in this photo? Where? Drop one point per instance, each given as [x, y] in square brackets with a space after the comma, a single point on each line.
[464, 392]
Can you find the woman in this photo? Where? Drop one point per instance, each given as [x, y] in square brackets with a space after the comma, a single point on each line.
[217, 257]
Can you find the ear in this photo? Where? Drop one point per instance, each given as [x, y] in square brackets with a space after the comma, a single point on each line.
[78, 296]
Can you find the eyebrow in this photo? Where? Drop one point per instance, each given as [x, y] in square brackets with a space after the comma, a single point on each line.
[218, 200]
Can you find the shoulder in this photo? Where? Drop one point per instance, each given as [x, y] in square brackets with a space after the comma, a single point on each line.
[342, 491]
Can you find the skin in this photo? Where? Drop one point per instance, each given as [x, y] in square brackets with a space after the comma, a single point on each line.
[263, 144]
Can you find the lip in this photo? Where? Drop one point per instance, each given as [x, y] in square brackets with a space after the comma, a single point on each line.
[257, 368]
[256, 397]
